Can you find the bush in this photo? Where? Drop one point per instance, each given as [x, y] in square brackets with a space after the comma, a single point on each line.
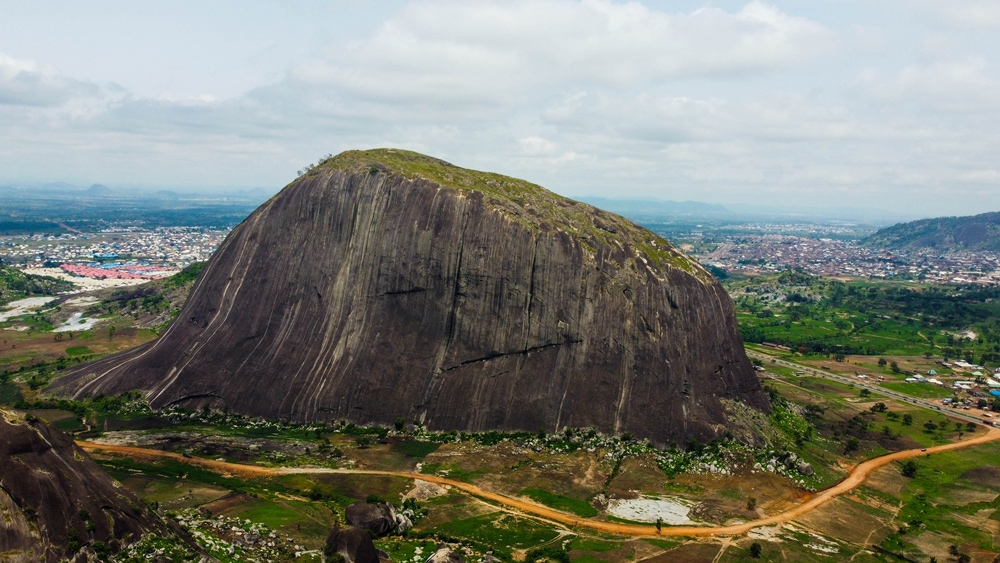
[547, 554]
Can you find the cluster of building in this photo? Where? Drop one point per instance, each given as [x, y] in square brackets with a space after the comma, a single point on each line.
[127, 250]
[130, 270]
[758, 254]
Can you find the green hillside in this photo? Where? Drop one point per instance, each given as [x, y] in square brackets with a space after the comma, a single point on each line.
[947, 234]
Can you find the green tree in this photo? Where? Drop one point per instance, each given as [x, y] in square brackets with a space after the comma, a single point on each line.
[909, 469]
[907, 420]
[881, 362]
[755, 550]
[851, 445]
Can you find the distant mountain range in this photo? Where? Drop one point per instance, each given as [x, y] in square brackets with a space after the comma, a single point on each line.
[947, 234]
[63, 190]
[53, 209]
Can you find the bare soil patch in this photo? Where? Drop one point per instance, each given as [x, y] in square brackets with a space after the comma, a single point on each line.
[847, 520]
[888, 480]
[694, 552]
[227, 503]
[988, 476]
[961, 496]
[637, 475]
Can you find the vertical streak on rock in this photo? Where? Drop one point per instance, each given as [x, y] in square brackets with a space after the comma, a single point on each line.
[434, 378]
[219, 319]
[531, 291]
[626, 387]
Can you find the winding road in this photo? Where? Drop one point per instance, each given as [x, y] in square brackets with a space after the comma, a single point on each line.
[857, 476]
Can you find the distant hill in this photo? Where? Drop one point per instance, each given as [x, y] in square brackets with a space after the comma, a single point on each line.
[977, 232]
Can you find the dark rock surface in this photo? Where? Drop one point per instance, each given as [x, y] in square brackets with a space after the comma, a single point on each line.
[50, 491]
[377, 518]
[387, 284]
[354, 544]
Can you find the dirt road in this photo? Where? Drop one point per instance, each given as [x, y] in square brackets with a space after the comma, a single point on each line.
[857, 476]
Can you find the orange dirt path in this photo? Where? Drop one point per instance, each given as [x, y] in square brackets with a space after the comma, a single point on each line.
[856, 477]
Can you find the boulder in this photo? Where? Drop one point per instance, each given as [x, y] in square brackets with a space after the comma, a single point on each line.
[806, 469]
[51, 491]
[353, 544]
[445, 554]
[377, 518]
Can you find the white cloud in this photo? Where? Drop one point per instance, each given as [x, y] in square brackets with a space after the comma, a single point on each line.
[491, 54]
[989, 176]
[533, 146]
[962, 86]
[971, 13]
[24, 82]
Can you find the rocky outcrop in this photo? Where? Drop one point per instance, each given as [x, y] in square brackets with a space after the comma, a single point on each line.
[445, 554]
[56, 502]
[353, 544]
[377, 518]
[386, 284]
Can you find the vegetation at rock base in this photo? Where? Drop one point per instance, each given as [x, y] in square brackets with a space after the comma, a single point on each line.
[15, 284]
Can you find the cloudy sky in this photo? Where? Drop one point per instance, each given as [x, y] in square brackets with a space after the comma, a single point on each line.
[893, 104]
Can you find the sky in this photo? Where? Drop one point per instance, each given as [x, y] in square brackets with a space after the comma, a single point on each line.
[892, 105]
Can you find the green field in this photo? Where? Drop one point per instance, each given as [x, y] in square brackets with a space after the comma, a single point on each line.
[815, 315]
[566, 504]
[78, 351]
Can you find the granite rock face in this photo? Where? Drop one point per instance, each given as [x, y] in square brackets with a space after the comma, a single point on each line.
[55, 500]
[386, 284]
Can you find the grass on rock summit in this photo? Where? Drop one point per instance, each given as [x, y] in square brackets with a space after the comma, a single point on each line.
[522, 201]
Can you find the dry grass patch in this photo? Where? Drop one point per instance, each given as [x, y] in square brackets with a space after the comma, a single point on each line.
[848, 521]
[637, 475]
[694, 552]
